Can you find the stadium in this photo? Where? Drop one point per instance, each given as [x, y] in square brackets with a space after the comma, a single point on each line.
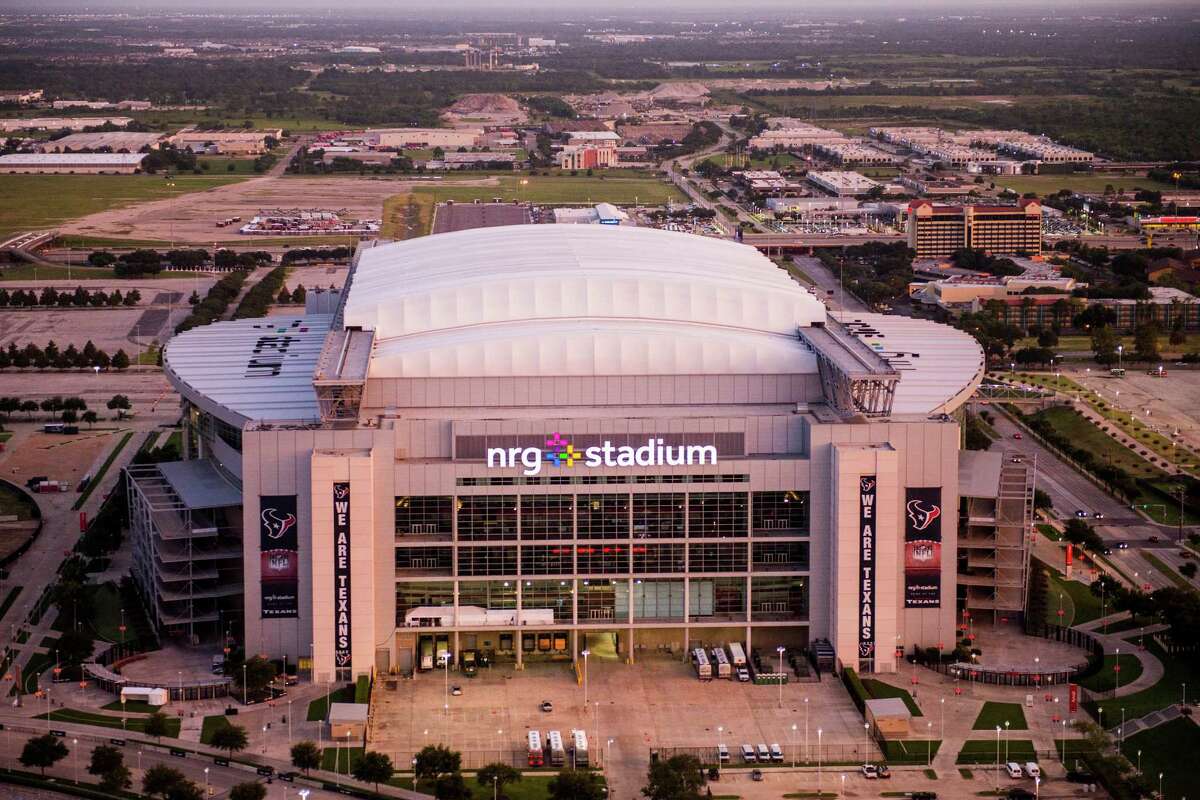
[532, 440]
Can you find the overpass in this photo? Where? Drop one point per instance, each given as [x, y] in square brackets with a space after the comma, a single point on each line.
[23, 246]
[802, 242]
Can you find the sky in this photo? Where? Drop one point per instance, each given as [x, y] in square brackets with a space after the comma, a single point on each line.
[591, 9]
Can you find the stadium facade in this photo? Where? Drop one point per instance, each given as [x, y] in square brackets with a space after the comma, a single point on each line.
[532, 440]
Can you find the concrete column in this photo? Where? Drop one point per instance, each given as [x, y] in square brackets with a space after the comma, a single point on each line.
[517, 645]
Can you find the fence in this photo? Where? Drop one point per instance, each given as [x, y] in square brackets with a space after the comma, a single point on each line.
[475, 759]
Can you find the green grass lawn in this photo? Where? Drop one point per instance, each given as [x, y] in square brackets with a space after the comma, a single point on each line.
[134, 725]
[1127, 624]
[337, 758]
[219, 165]
[1171, 749]
[911, 751]
[34, 202]
[1049, 531]
[319, 707]
[104, 613]
[112, 456]
[984, 751]
[1176, 672]
[38, 663]
[134, 707]
[1169, 571]
[1084, 434]
[1079, 182]
[1106, 679]
[550, 189]
[211, 725]
[993, 714]
[14, 502]
[1078, 603]
[879, 690]
[9, 599]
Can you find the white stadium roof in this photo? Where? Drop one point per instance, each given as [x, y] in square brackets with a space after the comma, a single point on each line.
[577, 300]
[255, 368]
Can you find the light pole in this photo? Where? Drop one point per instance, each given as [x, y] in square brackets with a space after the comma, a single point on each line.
[245, 690]
[1160, 786]
[414, 766]
[1139, 762]
[1120, 355]
[866, 732]
[929, 744]
[997, 758]
[206, 781]
[792, 741]
[264, 745]
[446, 671]
[585, 655]
[1006, 741]
[942, 719]
[780, 650]
[1117, 672]
[1037, 788]
[75, 753]
[806, 758]
[290, 723]
[818, 762]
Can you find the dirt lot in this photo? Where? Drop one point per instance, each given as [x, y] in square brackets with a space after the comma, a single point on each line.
[193, 219]
[149, 391]
[60, 458]
[320, 276]
[110, 329]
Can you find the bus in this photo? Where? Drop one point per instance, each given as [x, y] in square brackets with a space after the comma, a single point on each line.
[558, 755]
[703, 668]
[721, 661]
[581, 749]
[536, 756]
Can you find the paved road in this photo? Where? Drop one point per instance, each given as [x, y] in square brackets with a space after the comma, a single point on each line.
[828, 286]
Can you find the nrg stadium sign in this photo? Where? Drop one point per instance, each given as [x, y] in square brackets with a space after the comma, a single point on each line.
[561, 453]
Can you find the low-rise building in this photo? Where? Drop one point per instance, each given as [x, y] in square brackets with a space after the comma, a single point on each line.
[22, 97]
[473, 161]
[226, 142]
[71, 163]
[599, 214]
[425, 138]
[61, 123]
[842, 184]
[114, 141]
[588, 156]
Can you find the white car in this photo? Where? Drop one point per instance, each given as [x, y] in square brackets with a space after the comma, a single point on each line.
[1013, 769]
[870, 771]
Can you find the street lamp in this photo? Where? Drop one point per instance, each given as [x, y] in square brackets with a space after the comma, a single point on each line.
[942, 719]
[206, 781]
[75, 752]
[585, 655]
[1006, 741]
[866, 732]
[997, 758]
[289, 724]
[929, 744]
[780, 650]
[792, 742]
[806, 757]
[819, 762]
[245, 701]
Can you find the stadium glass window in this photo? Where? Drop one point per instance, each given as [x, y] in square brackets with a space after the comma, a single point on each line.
[717, 599]
[421, 594]
[598, 600]
[778, 599]
[488, 594]
[780, 556]
[602, 516]
[651, 558]
[487, 561]
[602, 559]
[424, 560]
[417, 515]
[555, 594]
[658, 600]
[658, 516]
[547, 516]
[717, 514]
[487, 517]
[547, 559]
[780, 513]
[717, 557]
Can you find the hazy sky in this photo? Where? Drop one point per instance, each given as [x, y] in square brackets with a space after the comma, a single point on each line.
[590, 9]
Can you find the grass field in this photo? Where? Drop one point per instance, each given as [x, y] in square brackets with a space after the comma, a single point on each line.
[1084, 434]
[879, 690]
[34, 202]
[826, 102]
[9, 599]
[1079, 182]
[1106, 679]
[15, 502]
[1176, 672]
[211, 725]
[341, 759]
[104, 613]
[1171, 749]
[134, 707]
[984, 751]
[1078, 603]
[551, 189]
[406, 216]
[912, 751]
[318, 708]
[133, 725]
[993, 714]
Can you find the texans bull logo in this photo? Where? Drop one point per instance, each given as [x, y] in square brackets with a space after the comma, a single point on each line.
[341, 491]
[276, 524]
[922, 516]
[866, 484]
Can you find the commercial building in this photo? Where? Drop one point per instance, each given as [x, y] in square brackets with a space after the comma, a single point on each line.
[71, 163]
[424, 138]
[599, 214]
[473, 161]
[937, 231]
[226, 142]
[22, 97]
[588, 156]
[113, 141]
[842, 184]
[61, 123]
[532, 439]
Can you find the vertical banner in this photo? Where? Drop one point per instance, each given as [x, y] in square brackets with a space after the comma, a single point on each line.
[1072, 698]
[278, 546]
[341, 574]
[866, 567]
[923, 548]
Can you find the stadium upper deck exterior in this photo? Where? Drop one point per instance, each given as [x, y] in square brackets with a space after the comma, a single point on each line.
[534, 439]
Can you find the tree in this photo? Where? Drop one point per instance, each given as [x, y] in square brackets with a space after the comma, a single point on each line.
[229, 737]
[160, 779]
[1104, 345]
[306, 755]
[120, 361]
[1188, 570]
[185, 790]
[75, 647]
[1145, 342]
[575, 784]
[373, 768]
[43, 751]
[258, 673]
[250, 790]
[676, 778]
[29, 407]
[284, 297]
[108, 763]
[156, 725]
[1047, 338]
[119, 403]
[497, 775]
[69, 416]
[434, 760]
[90, 417]
[451, 787]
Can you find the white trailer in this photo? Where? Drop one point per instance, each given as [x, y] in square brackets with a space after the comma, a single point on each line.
[476, 617]
[721, 662]
[703, 668]
[736, 654]
[581, 749]
[558, 754]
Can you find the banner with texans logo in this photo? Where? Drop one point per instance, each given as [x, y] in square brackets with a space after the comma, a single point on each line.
[923, 548]
[341, 574]
[867, 486]
[279, 545]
